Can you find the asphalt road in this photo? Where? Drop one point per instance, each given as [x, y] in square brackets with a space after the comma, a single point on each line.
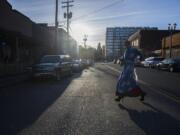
[156, 79]
[84, 105]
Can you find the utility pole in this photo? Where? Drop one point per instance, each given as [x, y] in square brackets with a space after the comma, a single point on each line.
[56, 14]
[68, 14]
[56, 25]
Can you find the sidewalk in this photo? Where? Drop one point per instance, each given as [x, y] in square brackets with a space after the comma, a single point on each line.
[8, 80]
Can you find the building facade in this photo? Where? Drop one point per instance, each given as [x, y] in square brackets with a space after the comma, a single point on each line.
[65, 43]
[23, 42]
[166, 43]
[148, 41]
[116, 38]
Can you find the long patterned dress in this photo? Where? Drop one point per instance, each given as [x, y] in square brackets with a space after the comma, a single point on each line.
[127, 82]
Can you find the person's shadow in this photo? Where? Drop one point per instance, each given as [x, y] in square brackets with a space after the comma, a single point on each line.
[154, 122]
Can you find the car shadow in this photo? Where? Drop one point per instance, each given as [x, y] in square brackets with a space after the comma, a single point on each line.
[22, 104]
[154, 122]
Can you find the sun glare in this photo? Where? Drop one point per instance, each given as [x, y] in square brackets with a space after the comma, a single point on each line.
[79, 30]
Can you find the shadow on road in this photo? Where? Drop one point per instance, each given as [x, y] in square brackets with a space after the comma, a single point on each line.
[21, 105]
[154, 122]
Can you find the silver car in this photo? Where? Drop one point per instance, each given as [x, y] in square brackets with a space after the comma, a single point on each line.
[53, 66]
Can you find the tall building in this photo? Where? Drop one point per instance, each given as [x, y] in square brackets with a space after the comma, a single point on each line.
[116, 38]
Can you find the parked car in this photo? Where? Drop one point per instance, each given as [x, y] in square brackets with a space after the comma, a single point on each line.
[90, 62]
[53, 66]
[151, 61]
[77, 65]
[137, 62]
[170, 64]
[87, 62]
[84, 63]
[155, 61]
[147, 61]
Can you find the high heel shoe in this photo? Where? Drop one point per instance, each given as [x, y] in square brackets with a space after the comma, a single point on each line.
[119, 98]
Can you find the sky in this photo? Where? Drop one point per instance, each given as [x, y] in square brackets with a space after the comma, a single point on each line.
[92, 17]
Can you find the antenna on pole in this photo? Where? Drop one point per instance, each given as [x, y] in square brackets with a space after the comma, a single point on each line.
[85, 40]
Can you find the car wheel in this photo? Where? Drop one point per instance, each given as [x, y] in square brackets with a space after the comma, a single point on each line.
[171, 69]
[58, 76]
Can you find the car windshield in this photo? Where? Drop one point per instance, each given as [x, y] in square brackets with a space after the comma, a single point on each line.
[50, 59]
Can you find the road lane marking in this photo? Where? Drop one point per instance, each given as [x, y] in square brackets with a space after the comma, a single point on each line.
[159, 91]
[113, 69]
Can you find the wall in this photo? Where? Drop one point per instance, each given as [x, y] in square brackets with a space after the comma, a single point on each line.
[175, 45]
[148, 40]
[25, 41]
[14, 20]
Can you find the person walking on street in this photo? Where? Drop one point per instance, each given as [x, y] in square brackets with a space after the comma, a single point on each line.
[127, 81]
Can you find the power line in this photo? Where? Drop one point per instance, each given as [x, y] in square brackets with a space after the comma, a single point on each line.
[98, 10]
[95, 11]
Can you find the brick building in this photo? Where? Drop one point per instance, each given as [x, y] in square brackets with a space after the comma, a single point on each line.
[166, 42]
[148, 41]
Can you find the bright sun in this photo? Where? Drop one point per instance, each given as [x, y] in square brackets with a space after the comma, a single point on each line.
[78, 31]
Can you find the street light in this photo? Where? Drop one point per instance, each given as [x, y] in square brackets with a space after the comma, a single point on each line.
[171, 28]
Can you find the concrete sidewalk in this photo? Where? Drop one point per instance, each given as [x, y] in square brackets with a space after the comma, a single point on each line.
[9, 80]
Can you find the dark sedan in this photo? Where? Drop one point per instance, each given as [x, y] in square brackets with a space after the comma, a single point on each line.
[170, 64]
[155, 61]
[77, 65]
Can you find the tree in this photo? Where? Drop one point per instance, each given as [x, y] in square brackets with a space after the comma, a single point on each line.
[86, 53]
[99, 52]
[103, 52]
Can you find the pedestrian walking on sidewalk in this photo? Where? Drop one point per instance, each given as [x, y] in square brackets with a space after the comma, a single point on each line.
[127, 81]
